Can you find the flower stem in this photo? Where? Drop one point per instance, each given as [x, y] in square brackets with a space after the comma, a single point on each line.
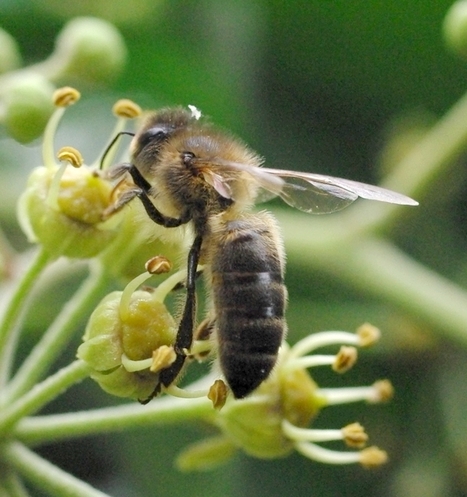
[42, 393]
[52, 342]
[429, 159]
[11, 485]
[162, 411]
[10, 320]
[46, 476]
[377, 267]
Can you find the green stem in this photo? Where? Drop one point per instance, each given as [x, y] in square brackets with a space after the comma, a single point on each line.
[46, 476]
[55, 338]
[12, 486]
[433, 155]
[42, 393]
[162, 411]
[12, 314]
[378, 268]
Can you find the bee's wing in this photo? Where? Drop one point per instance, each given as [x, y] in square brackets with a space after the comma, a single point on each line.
[318, 194]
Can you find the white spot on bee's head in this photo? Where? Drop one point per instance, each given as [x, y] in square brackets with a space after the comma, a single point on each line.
[195, 112]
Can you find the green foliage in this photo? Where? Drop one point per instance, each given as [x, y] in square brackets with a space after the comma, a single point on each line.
[355, 89]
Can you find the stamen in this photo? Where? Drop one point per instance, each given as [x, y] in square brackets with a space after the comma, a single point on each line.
[125, 299]
[126, 108]
[354, 435]
[335, 396]
[158, 265]
[328, 456]
[65, 96]
[123, 109]
[163, 357]
[62, 98]
[70, 155]
[185, 394]
[373, 457]
[368, 334]
[345, 359]
[200, 348]
[218, 394]
[322, 339]
[133, 366]
[54, 188]
[309, 435]
[309, 361]
[384, 391]
[164, 288]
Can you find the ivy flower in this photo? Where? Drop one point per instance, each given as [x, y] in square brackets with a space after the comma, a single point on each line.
[274, 420]
[63, 204]
[130, 337]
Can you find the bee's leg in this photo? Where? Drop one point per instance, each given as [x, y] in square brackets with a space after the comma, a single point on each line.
[182, 284]
[151, 210]
[185, 329]
[121, 201]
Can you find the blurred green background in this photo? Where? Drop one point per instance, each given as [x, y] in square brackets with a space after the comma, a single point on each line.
[310, 85]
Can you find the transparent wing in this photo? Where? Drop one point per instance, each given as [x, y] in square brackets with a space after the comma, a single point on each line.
[315, 193]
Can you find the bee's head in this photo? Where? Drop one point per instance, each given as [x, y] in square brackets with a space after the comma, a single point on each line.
[156, 130]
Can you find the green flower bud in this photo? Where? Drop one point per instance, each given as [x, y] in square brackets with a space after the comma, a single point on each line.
[455, 28]
[10, 58]
[89, 48]
[206, 454]
[111, 335]
[255, 423]
[28, 106]
[69, 223]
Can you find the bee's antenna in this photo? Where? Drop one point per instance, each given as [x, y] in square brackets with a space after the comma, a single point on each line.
[111, 144]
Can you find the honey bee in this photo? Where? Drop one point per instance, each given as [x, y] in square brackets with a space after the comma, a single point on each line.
[184, 170]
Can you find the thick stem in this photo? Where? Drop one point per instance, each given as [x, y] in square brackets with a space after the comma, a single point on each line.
[10, 320]
[42, 393]
[378, 268]
[162, 411]
[54, 339]
[46, 476]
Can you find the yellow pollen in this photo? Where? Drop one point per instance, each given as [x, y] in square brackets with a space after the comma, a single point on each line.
[162, 358]
[385, 390]
[126, 108]
[70, 155]
[354, 435]
[158, 265]
[66, 96]
[372, 457]
[218, 394]
[345, 359]
[368, 334]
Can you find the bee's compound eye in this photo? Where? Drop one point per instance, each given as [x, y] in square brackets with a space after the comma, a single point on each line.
[187, 158]
[152, 135]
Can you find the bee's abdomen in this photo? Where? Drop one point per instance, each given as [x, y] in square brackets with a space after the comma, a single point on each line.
[249, 299]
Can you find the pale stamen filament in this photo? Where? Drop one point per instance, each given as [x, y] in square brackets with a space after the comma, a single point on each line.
[309, 435]
[328, 456]
[335, 396]
[322, 339]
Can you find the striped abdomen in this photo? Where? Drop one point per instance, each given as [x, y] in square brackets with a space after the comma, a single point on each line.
[249, 299]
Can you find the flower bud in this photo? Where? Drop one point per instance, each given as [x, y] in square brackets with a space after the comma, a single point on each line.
[10, 58]
[69, 224]
[89, 48]
[255, 423]
[455, 27]
[109, 337]
[28, 106]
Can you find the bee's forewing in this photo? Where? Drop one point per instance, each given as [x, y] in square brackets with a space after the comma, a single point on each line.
[320, 194]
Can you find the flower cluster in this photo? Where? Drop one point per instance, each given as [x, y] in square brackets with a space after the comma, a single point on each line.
[130, 337]
[67, 209]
